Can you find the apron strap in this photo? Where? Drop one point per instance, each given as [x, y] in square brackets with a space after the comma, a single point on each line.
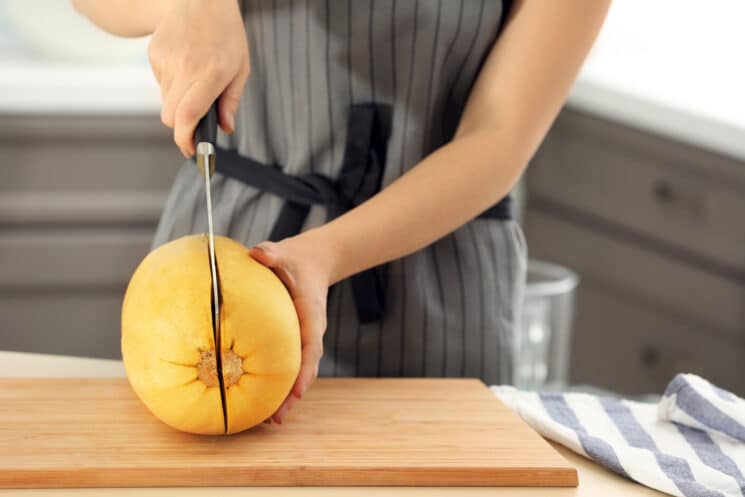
[361, 176]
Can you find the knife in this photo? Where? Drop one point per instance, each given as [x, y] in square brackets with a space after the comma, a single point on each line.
[205, 138]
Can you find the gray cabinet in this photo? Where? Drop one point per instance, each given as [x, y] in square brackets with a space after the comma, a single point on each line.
[654, 228]
[79, 201]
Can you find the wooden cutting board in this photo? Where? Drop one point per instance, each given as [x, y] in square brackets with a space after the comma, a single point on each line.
[96, 433]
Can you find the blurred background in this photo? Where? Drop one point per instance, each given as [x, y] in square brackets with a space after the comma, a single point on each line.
[632, 207]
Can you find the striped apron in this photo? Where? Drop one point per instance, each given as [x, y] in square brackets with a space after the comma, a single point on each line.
[447, 310]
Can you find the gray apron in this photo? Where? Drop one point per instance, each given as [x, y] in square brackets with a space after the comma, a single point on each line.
[447, 310]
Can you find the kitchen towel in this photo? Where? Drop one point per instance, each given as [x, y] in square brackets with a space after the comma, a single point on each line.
[692, 401]
[690, 444]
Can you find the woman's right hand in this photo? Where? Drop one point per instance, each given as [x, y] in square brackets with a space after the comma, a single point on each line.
[199, 54]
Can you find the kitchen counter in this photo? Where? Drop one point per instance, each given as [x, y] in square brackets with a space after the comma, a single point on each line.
[594, 480]
[44, 88]
[668, 67]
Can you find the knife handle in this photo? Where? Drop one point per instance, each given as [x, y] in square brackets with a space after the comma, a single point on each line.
[205, 138]
[207, 128]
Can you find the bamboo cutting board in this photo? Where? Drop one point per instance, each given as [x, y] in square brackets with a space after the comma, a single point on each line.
[96, 433]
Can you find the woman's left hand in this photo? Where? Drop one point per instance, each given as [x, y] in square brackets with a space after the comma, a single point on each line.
[307, 280]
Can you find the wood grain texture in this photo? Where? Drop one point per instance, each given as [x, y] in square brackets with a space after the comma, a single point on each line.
[437, 432]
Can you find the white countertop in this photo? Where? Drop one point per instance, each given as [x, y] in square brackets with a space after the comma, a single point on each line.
[65, 65]
[28, 87]
[673, 67]
[667, 66]
[25, 365]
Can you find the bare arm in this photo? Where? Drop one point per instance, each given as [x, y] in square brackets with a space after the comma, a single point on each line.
[198, 53]
[520, 89]
[129, 18]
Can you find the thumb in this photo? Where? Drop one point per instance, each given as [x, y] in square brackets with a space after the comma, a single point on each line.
[268, 254]
[227, 104]
[265, 254]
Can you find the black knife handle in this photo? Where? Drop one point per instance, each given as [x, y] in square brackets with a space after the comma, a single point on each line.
[207, 127]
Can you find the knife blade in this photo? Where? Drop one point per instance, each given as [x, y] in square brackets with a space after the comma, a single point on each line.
[205, 138]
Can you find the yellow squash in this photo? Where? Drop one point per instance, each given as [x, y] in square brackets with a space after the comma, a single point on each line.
[169, 348]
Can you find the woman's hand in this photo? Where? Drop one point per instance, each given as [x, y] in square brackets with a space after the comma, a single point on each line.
[300, 266]
[199, 53]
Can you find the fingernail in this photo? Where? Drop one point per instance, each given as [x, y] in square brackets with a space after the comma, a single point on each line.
[266, 250]
[231, 122]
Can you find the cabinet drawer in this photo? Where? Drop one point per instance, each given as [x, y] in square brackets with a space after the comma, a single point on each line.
[61, 290]
[81, 322]
[80, 197]
[626, 347]
[681, 196]
[70, 259]
[98, 154]
[713, 302]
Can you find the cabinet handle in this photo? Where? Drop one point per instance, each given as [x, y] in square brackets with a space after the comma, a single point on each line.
[650, 356]
[663, 191]
[690, 202]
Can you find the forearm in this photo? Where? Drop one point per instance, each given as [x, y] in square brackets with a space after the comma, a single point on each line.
[129, 18]
[521, 88]
[446, 190]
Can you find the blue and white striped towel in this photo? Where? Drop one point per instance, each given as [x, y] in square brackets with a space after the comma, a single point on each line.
[691, 444]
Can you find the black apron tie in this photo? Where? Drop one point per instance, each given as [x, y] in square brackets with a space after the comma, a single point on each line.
[361, 175]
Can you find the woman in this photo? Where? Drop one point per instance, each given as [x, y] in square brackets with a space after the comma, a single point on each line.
[412, 120]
